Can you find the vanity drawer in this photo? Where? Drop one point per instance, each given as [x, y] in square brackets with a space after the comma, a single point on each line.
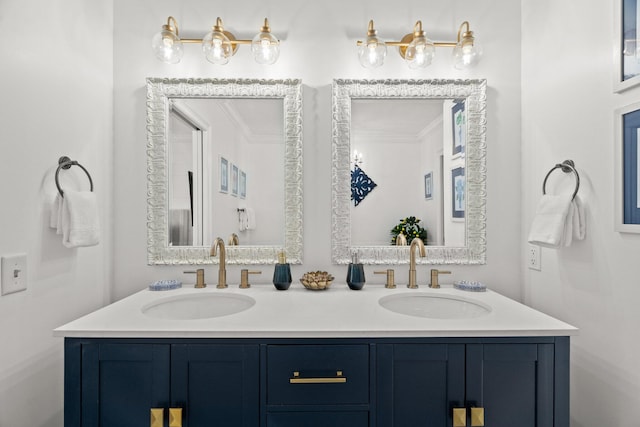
[318, 419]
[317, 374]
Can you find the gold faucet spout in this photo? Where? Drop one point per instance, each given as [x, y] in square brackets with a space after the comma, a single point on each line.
[415, 243]
[218, 246]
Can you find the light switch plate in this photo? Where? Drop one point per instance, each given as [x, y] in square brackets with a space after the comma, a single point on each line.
[14, 273]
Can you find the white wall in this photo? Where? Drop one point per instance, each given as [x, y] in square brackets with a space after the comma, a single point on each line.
[319, 44]
[567, 113]
[56, 100]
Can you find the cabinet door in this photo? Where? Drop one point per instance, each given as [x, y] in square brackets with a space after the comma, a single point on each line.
[121, 383]
[512, 382]
[216, 385]
[419, 384]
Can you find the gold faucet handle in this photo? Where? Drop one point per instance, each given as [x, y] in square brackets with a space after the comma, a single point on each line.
[244, 278]
[199, 278]
[434, 277]
[391, 281]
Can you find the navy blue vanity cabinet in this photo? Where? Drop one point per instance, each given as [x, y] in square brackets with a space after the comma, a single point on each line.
[419, 384]
[116, 383]
[217, 385]
[512, 382]
[318, 385]
[318, 382]
[497, 383]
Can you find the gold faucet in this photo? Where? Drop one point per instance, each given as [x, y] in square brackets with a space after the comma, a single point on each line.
[244, 277]
[412, 260]
[222, 272]
[199, 278]
[391, 281]
[434, 277]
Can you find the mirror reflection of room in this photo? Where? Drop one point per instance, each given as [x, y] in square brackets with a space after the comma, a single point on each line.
[407, 169]
[226, 171]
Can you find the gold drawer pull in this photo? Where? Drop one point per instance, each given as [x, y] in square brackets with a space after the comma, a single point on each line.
[157, 417]
[459, 417]
[175, 417]
[477, 417]
[325, 380]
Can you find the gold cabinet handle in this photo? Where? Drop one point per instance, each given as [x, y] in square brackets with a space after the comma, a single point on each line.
[157, 415]
[324, 380]
[477, 417]
[175, 417]
[459, 417]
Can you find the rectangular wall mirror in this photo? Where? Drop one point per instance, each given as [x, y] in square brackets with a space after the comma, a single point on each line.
[224, 160]
[409, 149]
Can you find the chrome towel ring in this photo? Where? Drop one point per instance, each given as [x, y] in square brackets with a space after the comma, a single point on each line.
[567, 167]
[65, 163]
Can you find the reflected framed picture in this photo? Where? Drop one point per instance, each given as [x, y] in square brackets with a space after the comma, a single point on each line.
[224, 175]
[428, 186]
[457, 193]
[234, 180]
[459, 122]
[627, 45]
[243, 184]
[627, 165]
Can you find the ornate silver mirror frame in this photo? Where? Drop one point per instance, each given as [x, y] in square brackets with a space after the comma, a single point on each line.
[474, 91]
[159, 93]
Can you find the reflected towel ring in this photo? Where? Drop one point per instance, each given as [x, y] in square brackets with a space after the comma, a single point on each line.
[65, 163]
[567, 167]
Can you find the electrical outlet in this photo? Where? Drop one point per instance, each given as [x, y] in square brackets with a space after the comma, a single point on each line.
[14, 273]
[533, 257]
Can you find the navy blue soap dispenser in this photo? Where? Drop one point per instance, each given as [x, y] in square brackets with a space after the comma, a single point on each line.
[282, 273]
[355, 274]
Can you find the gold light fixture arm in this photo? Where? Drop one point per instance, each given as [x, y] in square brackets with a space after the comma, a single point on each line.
[265, 28]
[465, 23]
[173, 28]
[232, 39]
[371, 31]
[465, 38]
[417, 32]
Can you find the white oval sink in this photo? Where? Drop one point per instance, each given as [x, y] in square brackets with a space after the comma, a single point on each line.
[434, 306]
[203, 306]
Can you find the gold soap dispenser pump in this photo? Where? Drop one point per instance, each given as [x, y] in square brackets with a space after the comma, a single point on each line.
[282, 273]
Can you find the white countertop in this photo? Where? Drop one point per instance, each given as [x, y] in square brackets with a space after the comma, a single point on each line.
[300, 313]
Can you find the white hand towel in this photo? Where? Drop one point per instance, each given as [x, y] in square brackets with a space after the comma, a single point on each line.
[80, 224]
[251, 219]
[548, 226]
[242, 219]
[567, 232]
[54, 215]
[574, 225]
[579, 223]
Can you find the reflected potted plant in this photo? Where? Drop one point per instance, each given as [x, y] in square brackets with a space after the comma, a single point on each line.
[409, 227]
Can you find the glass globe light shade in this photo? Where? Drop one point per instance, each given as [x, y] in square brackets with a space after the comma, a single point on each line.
[265, 48]
[167, 46]
[466, 54]
[217, 48]
[420, 53]
[372, 52]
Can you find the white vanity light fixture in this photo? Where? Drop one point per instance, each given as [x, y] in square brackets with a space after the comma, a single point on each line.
[218, 45]
[418, 50]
